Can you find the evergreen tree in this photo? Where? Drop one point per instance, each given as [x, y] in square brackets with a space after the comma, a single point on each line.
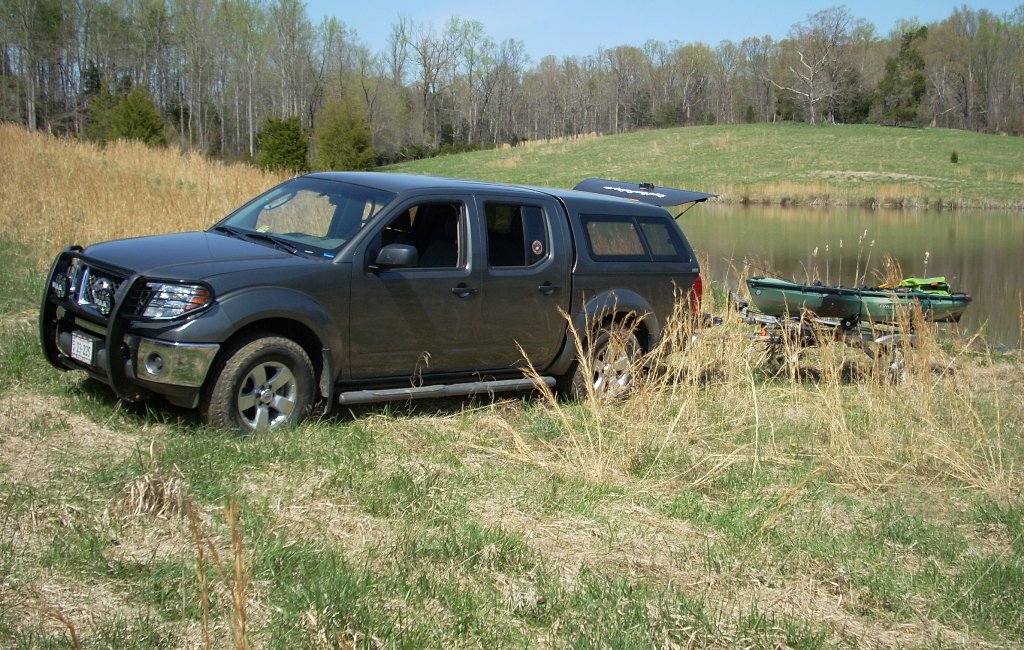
[135, 117]
[99, 112]
[129, 114]
[342, 138]
[900, 91]
[283, 145]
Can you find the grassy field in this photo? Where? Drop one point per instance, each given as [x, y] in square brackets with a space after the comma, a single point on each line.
[774, 163]
[731, 502]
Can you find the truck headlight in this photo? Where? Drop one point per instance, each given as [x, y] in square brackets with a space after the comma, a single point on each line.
[64, 281]
[167, 300]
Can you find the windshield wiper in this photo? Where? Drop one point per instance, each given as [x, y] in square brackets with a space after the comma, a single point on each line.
[279, 242]
[230, 230]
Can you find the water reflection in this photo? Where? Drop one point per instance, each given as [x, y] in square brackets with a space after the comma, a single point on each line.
[978, 252]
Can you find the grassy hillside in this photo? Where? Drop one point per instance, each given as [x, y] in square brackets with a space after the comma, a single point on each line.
[775, 163]
[732, 502]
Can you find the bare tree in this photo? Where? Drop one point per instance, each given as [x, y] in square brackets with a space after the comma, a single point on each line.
[508, 71]
[25, 18]
[663, 80]
[546, 99]
[333, 60]
[728, 58]
[397, 54]
[196, 25]
[817, 61]
[628, 67]
[694, 64]
[475, 58]
[433, 55]
[580, 88]
[290, 53]
[758, 54]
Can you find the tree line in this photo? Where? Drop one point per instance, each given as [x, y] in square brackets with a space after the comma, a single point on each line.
[217, 75]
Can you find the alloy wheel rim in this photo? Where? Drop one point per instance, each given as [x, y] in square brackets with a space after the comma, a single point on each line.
[267, 396]
[612, 373]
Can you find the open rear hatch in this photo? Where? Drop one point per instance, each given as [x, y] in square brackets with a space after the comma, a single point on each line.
[643, 192]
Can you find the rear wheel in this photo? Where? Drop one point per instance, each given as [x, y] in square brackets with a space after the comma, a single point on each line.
[891, 361]
[264, 384]
[609, 368]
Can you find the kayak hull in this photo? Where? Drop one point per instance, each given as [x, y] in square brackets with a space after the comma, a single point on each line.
[776, 297]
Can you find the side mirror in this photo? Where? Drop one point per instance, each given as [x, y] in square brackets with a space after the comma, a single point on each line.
[396, 256]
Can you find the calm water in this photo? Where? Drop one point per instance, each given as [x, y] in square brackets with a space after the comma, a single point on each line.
[981, 253]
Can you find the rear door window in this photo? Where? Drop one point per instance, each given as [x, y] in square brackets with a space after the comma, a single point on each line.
[517, 235]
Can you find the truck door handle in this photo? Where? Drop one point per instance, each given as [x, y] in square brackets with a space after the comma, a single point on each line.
[547, 288]
[462, 291]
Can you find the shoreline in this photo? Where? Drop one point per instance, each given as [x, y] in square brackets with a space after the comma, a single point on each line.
[868, 204]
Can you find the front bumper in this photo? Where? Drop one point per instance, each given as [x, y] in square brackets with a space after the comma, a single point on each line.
[79, 337]
[144, 366]
[168, 362]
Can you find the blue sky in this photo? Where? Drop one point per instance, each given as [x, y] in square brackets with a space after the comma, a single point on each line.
[578, 28]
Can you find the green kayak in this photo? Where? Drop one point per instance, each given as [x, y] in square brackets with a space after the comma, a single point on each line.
[776, 297]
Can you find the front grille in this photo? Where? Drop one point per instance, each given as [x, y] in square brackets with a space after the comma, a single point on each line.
[95, 284]
[94, 288]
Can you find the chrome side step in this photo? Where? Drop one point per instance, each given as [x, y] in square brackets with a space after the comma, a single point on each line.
[443, 390]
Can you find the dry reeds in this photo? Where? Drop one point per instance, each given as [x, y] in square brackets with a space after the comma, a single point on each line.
[236, 574]
[63, 191]
[704, 401]
[156, 495]
[529, 144]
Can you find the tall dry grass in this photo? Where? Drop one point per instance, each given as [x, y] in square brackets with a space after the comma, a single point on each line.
[867, 417]
[530, 145]
[57, 192]
[845, 192]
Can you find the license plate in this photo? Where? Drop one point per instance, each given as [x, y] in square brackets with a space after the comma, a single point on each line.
[81, 348]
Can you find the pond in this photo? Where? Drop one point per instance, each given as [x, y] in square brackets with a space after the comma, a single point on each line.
[979, 252]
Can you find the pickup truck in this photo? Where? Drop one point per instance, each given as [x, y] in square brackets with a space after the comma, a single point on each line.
[349, 287]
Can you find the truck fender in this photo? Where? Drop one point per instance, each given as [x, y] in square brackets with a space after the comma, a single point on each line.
[617, 301]
[595, 311]
[255, 304]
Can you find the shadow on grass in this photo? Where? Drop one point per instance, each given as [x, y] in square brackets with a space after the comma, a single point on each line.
[426, 407]
[158, 411]
[94, 394]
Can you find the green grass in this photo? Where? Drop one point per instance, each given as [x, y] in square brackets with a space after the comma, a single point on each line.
[774, 163]
[429, 525]
[383, 529]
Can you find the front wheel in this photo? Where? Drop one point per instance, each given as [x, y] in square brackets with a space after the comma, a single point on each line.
[609, 367]
[264, 384]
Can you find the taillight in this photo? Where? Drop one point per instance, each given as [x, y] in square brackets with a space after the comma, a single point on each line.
[696, 293]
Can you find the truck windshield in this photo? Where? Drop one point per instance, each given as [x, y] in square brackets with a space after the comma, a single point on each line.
[316, 216]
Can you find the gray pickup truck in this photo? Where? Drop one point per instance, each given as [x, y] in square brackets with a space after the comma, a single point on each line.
[349, 287]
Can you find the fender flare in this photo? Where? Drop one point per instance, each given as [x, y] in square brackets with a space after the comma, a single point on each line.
[598, 308]
[253, 305]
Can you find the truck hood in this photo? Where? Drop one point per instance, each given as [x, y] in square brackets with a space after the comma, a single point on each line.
[191, 255]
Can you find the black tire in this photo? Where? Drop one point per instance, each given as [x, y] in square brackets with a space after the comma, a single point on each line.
[610, 368]
[265, 384]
